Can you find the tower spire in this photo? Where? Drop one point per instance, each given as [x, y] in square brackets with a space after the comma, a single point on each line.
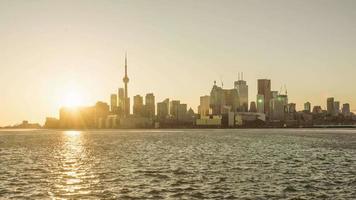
[126, 81]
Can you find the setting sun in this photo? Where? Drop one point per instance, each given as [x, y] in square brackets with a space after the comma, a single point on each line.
[72, 99]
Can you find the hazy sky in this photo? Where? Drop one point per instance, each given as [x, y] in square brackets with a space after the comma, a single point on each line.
[176, 49]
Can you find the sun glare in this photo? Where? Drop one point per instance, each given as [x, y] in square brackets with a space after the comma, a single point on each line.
[72, 99]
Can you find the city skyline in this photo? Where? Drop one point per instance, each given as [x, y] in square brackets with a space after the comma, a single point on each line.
[86, 64]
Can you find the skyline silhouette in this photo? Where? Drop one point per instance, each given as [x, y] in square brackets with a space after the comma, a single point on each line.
[53, 58]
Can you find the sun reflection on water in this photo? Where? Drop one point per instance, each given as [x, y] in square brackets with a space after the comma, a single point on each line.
[73, 170]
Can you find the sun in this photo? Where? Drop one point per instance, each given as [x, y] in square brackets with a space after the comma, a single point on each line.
[72, 98]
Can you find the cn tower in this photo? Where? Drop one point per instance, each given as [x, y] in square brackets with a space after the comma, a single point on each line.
[126, 81]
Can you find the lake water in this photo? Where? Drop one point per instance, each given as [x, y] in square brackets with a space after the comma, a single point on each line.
[178, 164]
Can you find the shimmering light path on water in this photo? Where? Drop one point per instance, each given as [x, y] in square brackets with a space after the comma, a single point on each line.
[178, 164]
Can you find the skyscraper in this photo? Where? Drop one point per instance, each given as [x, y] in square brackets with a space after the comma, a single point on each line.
[279, 107]
[346, 109]
[253, 107]
[150, 106]
[163, 109]
[330, 106]
[242, 91]
[264, 88]
[174, 109]
[204, 106]
[260, 103]
[337, 107]
[121, 101]
[113, 103]
[138, 105]
[307, 107]
[127, 100]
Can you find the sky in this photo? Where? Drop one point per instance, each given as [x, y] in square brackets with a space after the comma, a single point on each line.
[52, 52]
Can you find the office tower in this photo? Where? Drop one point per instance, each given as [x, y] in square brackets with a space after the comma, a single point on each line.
[337, 107]
[231, 100]
[264, 88]
[292, 108]
[150, 106]
[253, 107]
[113, 103]
[279, 106]
[163, 109]
[204, 106]
[307, 107]
[242, 91]
[126, 98]
[222, 100]
[260, 103]
[138, 105]
[346, 109]
[174, 108]
[121, 98]
[317, 110]
[330, 106]
[182, 112]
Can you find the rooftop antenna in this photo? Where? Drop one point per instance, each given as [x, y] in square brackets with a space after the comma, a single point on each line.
[238, 75]
[285, 88]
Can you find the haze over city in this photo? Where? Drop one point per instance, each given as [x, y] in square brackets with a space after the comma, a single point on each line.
[58, 53]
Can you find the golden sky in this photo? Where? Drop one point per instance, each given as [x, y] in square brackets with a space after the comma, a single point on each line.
[54, 50]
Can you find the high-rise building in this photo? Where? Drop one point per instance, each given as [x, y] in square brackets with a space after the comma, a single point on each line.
[127, 99]
[330, 106]
[113, 103]
[264, 88]
[242, 91]
[138, 105]
[253, 107]
[174, 109]
[260, 103]
[150, 107]
[182, 112]
[222, 100]
[346, 109]
[307, 107]
[337, 107]
[163, 109]
[204, 107]
[279, 106]
[317, 110]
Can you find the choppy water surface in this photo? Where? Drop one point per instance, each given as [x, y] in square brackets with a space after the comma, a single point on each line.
[178, 164]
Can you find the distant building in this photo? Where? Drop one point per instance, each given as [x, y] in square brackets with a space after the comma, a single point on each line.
[163, 110]
[150, 107]
[260, 103]
[223, 101]
[337, 107]
[253, 107]
[242, 91]
[317, 110]
[51, 123]
[173, 109]
[204, 107]
[264, 90]
[292, 108]
[121, 101]
[278, 107]
[307, 107]
[182, 112]
[346, 109]
[330, 104]
[113, 103]
[138, 105]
